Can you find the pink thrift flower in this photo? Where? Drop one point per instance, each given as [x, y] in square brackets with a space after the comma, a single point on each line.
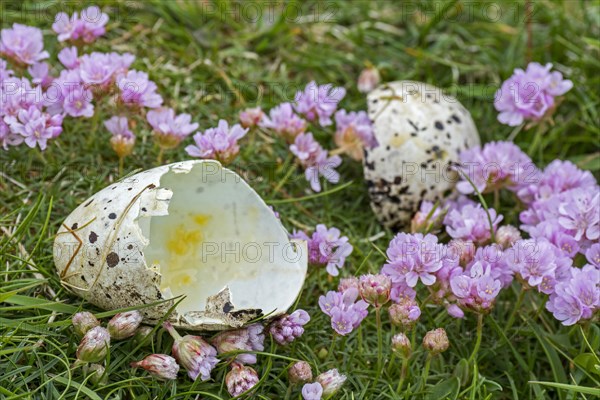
[220, 143]
[318, 102]
[354, 133]
[24, 44]
[40, 74]
[169, 129]
[284, 121]
[139, 91]
[345, 311]
[315, 161]
[36, 127]
[85, 27]
[529, 94]
[251, 117]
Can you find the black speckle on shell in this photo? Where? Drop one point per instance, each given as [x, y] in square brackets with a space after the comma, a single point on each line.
[93, 237]
[112, 259]
[112, 215]
[439, 125]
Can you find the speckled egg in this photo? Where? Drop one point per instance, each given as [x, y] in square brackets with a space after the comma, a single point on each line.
[190, 236]
[420, 131]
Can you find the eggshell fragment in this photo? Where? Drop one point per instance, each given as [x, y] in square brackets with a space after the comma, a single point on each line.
[420, 131]
[192, 229]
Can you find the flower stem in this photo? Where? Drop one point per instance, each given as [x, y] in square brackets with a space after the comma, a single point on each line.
[159, 159]
[332, 347]
[379, 339]
[515, 310]
[121, 166]
[403, 373]
[426, 372]
[478, 340]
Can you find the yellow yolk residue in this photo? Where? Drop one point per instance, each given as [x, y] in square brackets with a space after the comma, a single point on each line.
[183, 245]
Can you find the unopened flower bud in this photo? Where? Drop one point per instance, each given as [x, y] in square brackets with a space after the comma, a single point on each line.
[348, 283]
[312, 391]
[507, 235]
[300, 372]
[94, 345]
[193, 353]
[375, 289]
[161, 366]
[401, 344]
[124, 325]
[250, 117]
[288, 328]
[240, 379]
[96, 373]
[436, 341]
[331, 381]
[83, 322]
[455, 311]
[369, 78]
[144, 334]
[429, 218]
[404, 313]
[250, 339]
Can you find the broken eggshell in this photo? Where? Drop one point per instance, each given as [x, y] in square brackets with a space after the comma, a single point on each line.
[420, 131]
[191, 228]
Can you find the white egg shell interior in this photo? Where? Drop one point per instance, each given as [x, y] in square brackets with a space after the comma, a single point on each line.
[420, 131]
[192, 229]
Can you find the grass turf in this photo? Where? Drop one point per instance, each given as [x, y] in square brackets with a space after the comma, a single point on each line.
[211, 60]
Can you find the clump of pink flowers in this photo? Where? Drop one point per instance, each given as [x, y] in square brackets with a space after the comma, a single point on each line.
[316, 106]
[530, 94]
[561, 217]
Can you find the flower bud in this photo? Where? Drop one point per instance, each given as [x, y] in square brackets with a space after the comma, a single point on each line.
[375, 289]
[124, 325]
[83, 322]
[251, 117]
[94, 345]
[250, 338]
[348, 283]
[369, 78]
[144, 334]
[300, 372]
[240, 379]
[193, 353]
[161, 366]
[507, 235]
[404, 313]
[401, 344]
[331, 381]
[288, 328]
[96, 373]
[312, 391]
[436, 341]
[455, 311]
